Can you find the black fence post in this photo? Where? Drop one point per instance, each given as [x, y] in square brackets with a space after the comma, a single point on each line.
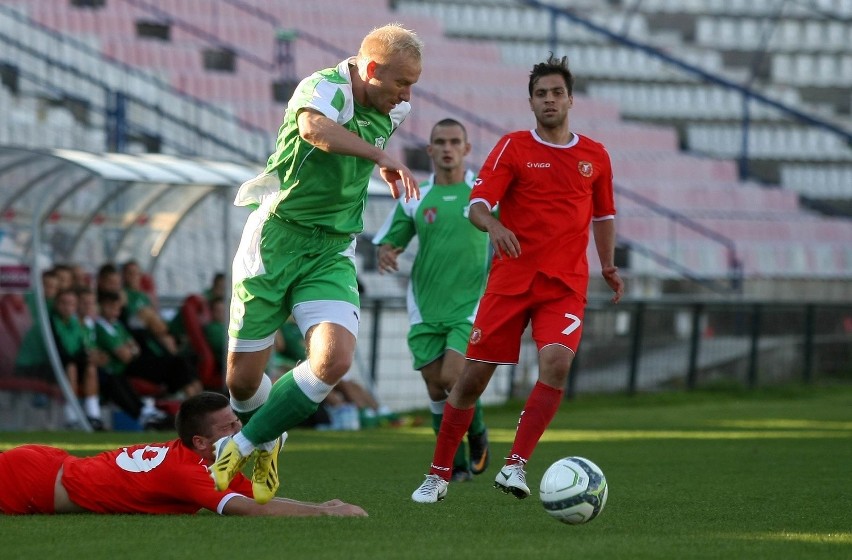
[694, 343]
[635, 351]
[571, 389]
[808, 347]
[374, 341]
[755, 346]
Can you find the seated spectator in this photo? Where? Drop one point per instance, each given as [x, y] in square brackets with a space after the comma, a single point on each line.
[82, 279]
[289, 347]
[65, 276]
[72, 344]
[117, 388]
[217, 287]
[50, 287]
[109, 280]
[141, 317]
[216, 331]
[127, 358]
[32, 360]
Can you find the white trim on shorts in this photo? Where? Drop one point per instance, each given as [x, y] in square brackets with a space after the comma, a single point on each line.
[310, 313]
[240, 345]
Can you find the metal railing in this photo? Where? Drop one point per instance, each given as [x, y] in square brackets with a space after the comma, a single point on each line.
[645, 345]
[749, 94]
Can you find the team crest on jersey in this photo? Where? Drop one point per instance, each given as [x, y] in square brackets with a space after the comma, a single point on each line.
[380, 142]
[585, 168]
[475, 335]
[429, 215]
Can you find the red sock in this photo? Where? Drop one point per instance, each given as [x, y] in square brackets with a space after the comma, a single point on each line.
[453, 427]
[539, 410]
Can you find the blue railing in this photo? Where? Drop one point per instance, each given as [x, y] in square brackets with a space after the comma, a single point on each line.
[274, 21]
[87, 50]
[749, 94]
[735, 269]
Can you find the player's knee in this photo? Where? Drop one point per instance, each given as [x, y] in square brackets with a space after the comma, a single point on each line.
[334, 367]
[554, 369]
[241, 387]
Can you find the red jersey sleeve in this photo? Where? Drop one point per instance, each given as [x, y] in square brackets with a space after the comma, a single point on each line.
[496, 174]
[603, 197]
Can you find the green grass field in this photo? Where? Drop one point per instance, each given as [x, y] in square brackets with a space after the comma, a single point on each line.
[702, 475]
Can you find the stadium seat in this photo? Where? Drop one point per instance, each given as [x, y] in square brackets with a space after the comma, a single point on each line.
[15, 315]
[195, 314]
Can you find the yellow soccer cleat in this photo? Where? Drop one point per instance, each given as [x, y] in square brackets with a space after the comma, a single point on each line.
[264, 477]
[229, 461]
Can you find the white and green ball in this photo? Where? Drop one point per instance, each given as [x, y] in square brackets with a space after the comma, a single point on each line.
[573, 490]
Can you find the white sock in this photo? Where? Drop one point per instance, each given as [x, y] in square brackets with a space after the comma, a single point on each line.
[149, 406]
[92, 406]
[270, 444]
[437, 407]
[246, 447]
[312, 386]
[255, 401]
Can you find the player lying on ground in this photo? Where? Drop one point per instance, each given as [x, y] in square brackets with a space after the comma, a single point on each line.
[170, 477]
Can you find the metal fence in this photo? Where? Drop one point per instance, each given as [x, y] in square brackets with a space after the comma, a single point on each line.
[635, 346]
[643, 346]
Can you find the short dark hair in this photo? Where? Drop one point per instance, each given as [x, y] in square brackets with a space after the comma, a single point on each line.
[106, 296]
[106, 269]
[553, 65]
[192, 417]
[448, 122]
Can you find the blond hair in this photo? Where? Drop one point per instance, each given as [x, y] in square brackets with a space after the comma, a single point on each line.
[384, 42]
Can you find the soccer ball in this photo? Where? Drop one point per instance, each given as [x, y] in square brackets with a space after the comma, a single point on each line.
[573, 490]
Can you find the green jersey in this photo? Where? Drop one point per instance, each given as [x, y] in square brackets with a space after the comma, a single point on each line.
[109, 337]
[449, 272]
[307, 186]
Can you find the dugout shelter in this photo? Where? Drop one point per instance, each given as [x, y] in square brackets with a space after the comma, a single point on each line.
[173, 215]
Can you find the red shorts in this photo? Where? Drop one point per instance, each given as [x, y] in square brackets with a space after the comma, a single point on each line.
[29, 474]
[556, 312]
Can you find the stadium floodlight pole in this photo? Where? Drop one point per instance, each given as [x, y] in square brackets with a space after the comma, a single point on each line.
[44, 319]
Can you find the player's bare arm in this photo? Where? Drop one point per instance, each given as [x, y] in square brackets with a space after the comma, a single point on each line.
[393, 171]
[388, 257]
[282, 507]
[322, 132]
[502, 239]
[604, 231]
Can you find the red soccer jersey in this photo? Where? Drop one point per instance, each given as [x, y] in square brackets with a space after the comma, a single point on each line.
[548, 196]
[146, 478]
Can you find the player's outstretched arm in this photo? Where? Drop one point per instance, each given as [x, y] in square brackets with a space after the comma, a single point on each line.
[322, 132]
[393, 171]
[283, 507]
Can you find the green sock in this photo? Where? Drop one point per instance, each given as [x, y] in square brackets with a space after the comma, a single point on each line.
[477, 425]
[245, 416]
[436, 422]
[286, 408]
